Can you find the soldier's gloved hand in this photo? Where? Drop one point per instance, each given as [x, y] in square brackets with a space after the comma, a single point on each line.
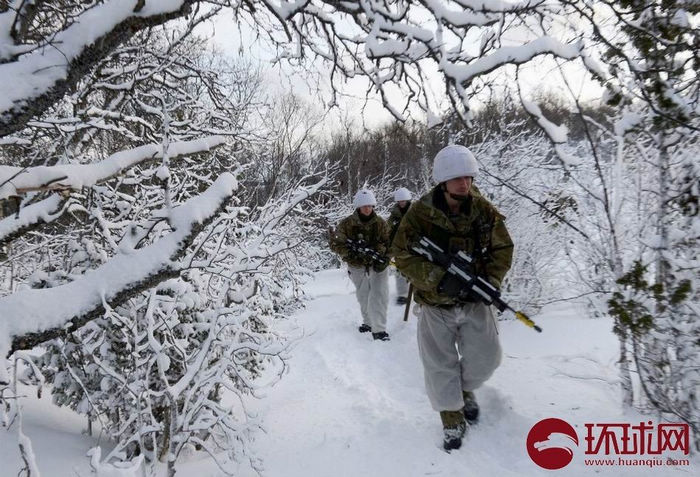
[451, 286]
[455, 288]
[379, 267]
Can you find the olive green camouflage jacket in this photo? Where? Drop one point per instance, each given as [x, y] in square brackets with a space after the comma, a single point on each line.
[479, 230]
[375, 232]
[394, 220]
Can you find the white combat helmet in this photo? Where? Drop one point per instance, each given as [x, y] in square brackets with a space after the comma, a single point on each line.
[402, 194]
[454, 161]
[364, 197]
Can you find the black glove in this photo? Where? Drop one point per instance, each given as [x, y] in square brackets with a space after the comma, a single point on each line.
[455, 288]
[379, 267]
[450, 285]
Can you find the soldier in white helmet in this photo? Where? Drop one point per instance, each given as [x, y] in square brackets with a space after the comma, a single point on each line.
[402, 197]
[362, 241]
[457, 333]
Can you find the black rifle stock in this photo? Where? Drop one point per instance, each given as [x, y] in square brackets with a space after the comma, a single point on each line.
[460, 265]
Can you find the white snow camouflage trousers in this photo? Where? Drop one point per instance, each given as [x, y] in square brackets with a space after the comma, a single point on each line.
[401, 284]
[460, 350]
[372, 295]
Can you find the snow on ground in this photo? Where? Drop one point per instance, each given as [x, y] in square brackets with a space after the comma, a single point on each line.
[57, 440]
[354, 407]
[350, 406]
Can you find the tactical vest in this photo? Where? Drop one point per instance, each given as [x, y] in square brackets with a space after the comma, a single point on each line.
[367, 231]
[471, 234]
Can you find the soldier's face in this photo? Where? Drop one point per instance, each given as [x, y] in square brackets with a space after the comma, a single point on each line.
[402, 203]
[366, 210]
[459, 185]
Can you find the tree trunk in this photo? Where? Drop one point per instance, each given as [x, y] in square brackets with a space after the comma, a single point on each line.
[662, 265]
[172, 444]
[165, 442]
[625, 373]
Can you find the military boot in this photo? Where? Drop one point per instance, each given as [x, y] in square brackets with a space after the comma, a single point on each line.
[471, 407]
[453, 427]
[364, 328]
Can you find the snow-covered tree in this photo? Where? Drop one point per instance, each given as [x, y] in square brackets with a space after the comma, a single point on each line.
[650, 48]
[134, 219]
[159, 372]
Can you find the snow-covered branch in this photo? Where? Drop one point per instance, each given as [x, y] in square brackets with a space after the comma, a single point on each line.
[31, 216]
[16, 180]
[396, 44]
[34, 316]
[40, 77]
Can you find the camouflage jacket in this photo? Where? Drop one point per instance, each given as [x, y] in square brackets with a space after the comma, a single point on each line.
[479, 230]
[395, 219]
[373, 231]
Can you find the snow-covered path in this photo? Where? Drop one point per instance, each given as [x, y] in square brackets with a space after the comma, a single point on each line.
[353, 407]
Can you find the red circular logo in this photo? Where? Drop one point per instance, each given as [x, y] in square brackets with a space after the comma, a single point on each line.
[551, 443]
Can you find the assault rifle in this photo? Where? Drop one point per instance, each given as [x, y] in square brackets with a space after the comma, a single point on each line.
[360, 248]
[460, 265]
